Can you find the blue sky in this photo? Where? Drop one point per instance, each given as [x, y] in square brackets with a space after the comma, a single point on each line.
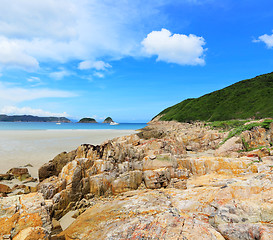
[128, 59]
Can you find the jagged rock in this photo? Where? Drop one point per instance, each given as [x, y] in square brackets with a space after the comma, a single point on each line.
[54, 167]
[50, 186]
[19, 173]
[157, 178]
[20, 212]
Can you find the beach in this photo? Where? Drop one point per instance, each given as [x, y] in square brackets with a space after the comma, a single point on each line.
[36, 147]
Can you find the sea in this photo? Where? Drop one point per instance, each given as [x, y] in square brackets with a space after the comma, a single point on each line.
[68, 126]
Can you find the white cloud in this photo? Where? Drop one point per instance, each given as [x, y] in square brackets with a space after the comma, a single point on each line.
[176, 48]
[13, 110]
[60, 74]
[11, 94]
[98, 65]
[267, 39]
[98, 74]
[13, 54]
[35, 81]
[32, 32]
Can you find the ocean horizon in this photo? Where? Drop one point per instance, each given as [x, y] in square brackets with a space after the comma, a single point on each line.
[68, 126]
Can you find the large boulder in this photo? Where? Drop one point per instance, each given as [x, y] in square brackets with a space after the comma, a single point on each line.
[54, 167]
[230, 148]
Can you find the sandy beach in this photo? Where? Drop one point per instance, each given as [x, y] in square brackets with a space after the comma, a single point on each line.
[36, 147]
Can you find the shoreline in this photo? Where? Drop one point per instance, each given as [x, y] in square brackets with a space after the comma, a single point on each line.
[36, 147]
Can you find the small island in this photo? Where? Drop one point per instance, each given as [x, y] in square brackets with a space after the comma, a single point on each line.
[88, 120]
[108, 120]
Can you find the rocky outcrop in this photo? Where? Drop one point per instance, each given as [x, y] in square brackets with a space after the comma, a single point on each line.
[24, 215]
[171, 187]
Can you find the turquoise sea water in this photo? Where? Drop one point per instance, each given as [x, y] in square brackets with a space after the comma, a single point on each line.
[63, 126]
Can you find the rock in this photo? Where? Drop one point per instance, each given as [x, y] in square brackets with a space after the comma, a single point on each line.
[50, 186]
[145, 215]
[56, 227]
[263, 152]
[33, 233]
[4, 188]
[157, 178]
[101, 184]
[230, 147]
[147, 133]
[255, 138]
[30, 179]
[30, 189]
[19, 173]
[127, 182]
[54, 167]
[6, 177]
[20, 212]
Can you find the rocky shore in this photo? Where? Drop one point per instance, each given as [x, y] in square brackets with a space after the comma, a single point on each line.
[169, 181]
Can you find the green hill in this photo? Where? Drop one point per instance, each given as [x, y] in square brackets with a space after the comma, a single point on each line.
[251, 98]
[87, 120]
[108, 120]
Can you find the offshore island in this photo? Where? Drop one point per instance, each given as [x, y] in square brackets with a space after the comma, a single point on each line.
[201, 169]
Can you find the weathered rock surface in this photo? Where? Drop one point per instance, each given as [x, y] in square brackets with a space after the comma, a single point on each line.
[17, 213]
[138, 215]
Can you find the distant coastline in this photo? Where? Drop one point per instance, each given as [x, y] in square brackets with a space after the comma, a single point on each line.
[30, 118]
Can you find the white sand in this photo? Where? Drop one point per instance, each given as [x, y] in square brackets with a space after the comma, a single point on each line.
[36, 147]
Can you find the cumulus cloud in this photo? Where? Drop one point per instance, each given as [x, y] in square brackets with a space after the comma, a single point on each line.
[267, 39]
[13, 110]
[32, 32]
[98, 65]
[13, 54]
[176, 48]
[18, 94]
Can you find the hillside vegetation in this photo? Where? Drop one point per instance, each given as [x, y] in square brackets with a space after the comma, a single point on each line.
[30, 118]
[252, 98]
[87, 120]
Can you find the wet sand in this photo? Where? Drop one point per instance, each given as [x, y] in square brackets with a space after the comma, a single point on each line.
[36, 147]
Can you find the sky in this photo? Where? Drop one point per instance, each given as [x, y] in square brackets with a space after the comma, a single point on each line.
[127, 59]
